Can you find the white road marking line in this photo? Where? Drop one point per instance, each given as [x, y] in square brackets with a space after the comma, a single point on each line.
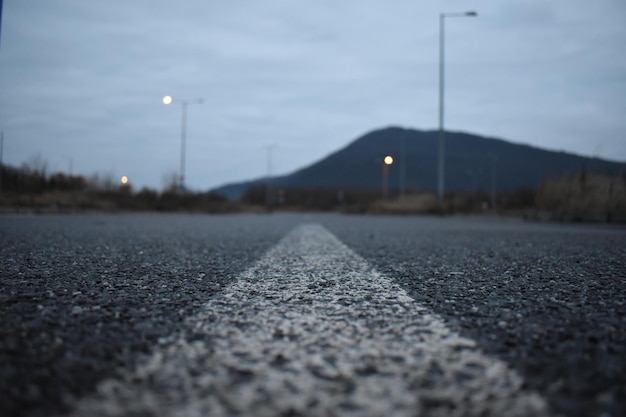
[312, 330]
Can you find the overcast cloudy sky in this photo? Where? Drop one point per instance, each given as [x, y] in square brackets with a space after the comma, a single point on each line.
[82, 81]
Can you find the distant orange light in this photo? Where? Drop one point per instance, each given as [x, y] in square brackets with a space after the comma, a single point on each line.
[167, 100]
[124, 179]
[388, 160]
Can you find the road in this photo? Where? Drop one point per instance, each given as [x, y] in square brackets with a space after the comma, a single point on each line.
[310, 314]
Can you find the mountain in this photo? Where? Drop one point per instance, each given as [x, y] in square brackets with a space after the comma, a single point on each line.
[471, 161]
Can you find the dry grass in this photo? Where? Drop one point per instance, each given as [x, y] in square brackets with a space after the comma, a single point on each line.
[584, 197]
[408, 204]
[83, 201]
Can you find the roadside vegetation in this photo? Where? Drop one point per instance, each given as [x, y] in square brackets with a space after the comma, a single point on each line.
[369, 201]
[30, 190]
[584, 197]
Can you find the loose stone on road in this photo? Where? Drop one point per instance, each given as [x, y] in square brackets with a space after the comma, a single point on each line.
[312, 329]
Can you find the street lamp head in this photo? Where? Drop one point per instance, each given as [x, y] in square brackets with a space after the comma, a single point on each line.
[471, 13]
[388, 160]
[167, 100]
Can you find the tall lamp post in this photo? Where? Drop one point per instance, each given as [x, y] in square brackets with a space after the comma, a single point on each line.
[441, 157]
[1, 135]
[268, 181]
[387, 161]
[183, 135]
[494, 173]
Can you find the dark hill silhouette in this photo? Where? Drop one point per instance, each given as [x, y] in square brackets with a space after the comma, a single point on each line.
[470, 160]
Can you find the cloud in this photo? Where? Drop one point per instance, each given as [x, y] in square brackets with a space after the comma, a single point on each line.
[86, 78]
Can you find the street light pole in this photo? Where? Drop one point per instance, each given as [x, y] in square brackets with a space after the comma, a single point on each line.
[1, 140]
[183, 136]
[494, 173]
[268, 181]
[402, 181]
[387, 161]
[441, 154]
[183, 140]
[441, 159]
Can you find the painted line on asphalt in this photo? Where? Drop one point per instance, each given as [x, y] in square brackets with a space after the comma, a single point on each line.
[311, 329]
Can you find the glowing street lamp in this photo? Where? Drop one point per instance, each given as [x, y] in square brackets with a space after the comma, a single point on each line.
[183, 135]
[124, 180]
[441, 156]
[387, 162]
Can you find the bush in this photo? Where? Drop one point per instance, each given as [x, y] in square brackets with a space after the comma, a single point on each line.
[584, 197]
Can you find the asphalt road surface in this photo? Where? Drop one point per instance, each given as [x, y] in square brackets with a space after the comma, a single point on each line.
[310, 315]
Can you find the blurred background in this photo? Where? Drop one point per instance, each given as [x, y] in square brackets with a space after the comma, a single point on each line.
[261, 90]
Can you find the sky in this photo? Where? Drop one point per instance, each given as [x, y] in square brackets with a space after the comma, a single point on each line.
[81, 82]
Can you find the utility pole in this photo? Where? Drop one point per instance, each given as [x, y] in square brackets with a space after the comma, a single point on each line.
[268, 185]
[0, 19]
[403, 165]
[1, 138]
[494, 158]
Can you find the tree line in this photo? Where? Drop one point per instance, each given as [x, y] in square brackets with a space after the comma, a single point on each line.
[586, 196]
[30, 188]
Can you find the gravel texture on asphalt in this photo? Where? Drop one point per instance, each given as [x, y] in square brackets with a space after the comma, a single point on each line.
[548, 299]
[311, 329]
[89, 298]
[81, 296]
